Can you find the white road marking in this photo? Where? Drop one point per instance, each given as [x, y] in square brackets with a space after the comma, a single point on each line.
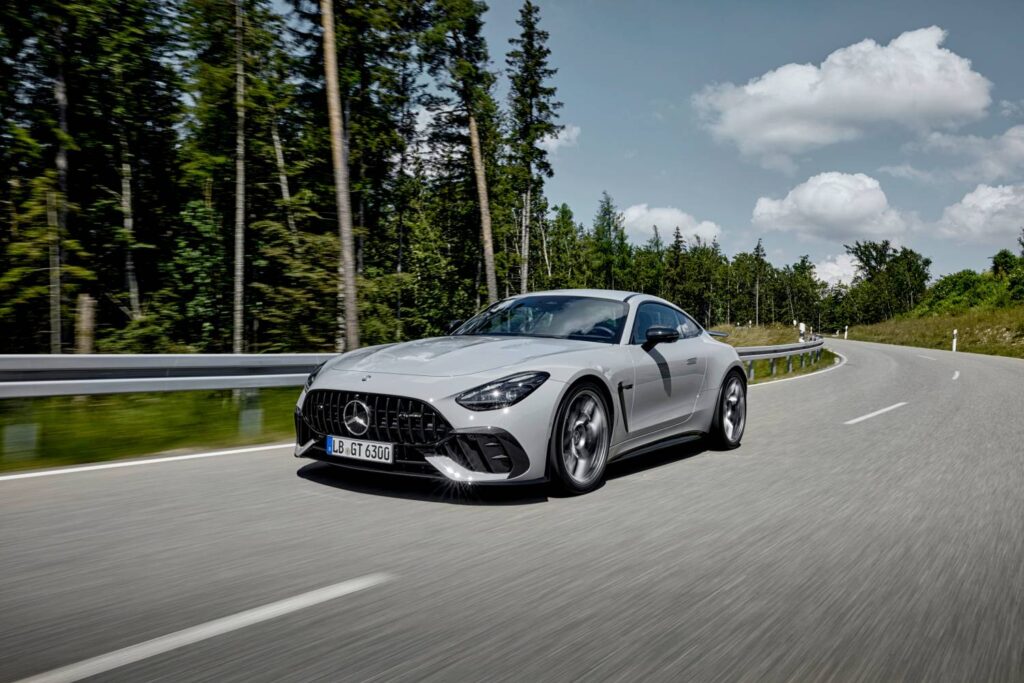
[921, 355]
[956, 375]
[195, 634]
[855, 420]
[134, 463]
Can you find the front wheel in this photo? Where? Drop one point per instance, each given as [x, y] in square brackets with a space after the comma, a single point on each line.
[731, 413]
[580, 440]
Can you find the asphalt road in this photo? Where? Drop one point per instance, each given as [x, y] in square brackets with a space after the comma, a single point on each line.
[891, 548]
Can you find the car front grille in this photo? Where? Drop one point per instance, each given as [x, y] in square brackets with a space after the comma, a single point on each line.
[393, 419]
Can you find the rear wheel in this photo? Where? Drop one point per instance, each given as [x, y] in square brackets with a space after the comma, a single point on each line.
[731, 414]
[580, 440]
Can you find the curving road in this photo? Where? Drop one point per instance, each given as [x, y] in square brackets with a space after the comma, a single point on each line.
[827, 547]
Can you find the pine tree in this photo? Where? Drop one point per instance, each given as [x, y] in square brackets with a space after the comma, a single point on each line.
[532, 109]
[456, 52]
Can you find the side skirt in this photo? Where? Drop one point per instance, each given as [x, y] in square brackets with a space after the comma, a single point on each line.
[676, 440]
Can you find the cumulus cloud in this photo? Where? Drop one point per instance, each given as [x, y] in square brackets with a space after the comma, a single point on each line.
[987, 214]
[568, 136]
[640, 220]
[989, 159]
[908, 172]
[836, 270]
[911, 82]
[833, 206]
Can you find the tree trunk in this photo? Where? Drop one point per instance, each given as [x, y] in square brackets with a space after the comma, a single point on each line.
[544, 247]
[348, 315]
[282, 177]
[54, 225]
[485, 210]
[57, 209]
[85, 324]
[524, 266]
[239, 301]
[128, 224]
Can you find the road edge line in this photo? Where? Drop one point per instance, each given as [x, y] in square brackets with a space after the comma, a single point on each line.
[114, 464]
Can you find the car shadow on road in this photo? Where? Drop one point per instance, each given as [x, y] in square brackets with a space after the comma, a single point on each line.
[414, 488]
[437, 491]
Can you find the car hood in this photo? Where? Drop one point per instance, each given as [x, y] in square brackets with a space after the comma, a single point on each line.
[459, 355]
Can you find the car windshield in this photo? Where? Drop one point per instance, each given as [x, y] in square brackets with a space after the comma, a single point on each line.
[558, 316]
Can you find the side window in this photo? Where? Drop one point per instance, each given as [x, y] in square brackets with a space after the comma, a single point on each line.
[650, 315]
[687, 327]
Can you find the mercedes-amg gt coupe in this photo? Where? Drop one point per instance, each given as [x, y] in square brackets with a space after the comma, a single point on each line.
[548, 386]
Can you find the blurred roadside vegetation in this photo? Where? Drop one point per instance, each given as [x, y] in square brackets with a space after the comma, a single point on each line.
[986, 309]
[996, 331]
[67, 430]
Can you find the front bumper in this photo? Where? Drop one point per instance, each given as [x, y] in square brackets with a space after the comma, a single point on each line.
[432, 437]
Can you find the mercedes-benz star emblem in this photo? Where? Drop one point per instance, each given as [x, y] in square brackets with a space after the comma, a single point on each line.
[356, 417]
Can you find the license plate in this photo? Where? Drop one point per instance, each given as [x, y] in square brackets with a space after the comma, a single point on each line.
[370, 451]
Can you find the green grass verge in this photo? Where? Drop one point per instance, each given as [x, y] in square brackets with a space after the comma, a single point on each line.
[81, 429]
[997, 331]
[763, 335]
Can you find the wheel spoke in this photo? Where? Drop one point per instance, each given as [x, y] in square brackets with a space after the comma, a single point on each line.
[580, 470]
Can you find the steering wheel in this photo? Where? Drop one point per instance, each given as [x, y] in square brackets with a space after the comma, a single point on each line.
[602, 330]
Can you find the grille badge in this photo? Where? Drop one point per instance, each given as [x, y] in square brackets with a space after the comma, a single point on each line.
[356, 417]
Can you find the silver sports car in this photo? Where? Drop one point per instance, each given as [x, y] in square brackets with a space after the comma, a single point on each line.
[544, 386]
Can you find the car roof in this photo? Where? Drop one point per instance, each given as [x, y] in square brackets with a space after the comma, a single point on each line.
[614, 294]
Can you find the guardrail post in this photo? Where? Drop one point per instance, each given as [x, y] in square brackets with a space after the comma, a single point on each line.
[773, 367]
[20, 442]
[789, 364]
[750, 370]
[802, 360]
[250, 414]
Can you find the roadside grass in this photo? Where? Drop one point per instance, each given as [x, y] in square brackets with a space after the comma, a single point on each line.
[998, 331]
[758, 335]
[67, 430]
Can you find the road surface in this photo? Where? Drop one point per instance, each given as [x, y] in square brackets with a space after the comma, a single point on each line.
[871, 527]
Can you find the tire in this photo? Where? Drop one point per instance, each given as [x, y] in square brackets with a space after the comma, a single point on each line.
[580, 440]
[730, 414]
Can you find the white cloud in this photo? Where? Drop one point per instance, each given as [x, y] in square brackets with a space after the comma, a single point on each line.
[640, 220]
[996, 158]
[838, 269]
[1011, 109]
[833, 206]
[568, 136]
[987, 214]
[911, 82]
[908, 172]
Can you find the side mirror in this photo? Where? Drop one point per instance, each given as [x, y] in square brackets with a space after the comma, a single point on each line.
[453, 325]
[660, 335]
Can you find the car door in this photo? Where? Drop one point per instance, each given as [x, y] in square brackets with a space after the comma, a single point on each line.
[669, 375]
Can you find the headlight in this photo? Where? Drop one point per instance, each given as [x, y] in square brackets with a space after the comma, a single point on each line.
[312, 375]
[501, 393]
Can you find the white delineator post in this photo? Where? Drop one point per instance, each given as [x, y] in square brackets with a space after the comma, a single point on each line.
[954, 341]
[846, 331]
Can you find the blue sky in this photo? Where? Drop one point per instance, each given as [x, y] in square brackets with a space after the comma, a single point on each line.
[776, 119]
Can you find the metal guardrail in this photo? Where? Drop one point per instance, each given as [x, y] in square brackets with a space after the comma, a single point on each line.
[809, 350]
[35, 375]
[32, 375]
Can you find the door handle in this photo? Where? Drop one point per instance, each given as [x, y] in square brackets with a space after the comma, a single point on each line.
[691, 361]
